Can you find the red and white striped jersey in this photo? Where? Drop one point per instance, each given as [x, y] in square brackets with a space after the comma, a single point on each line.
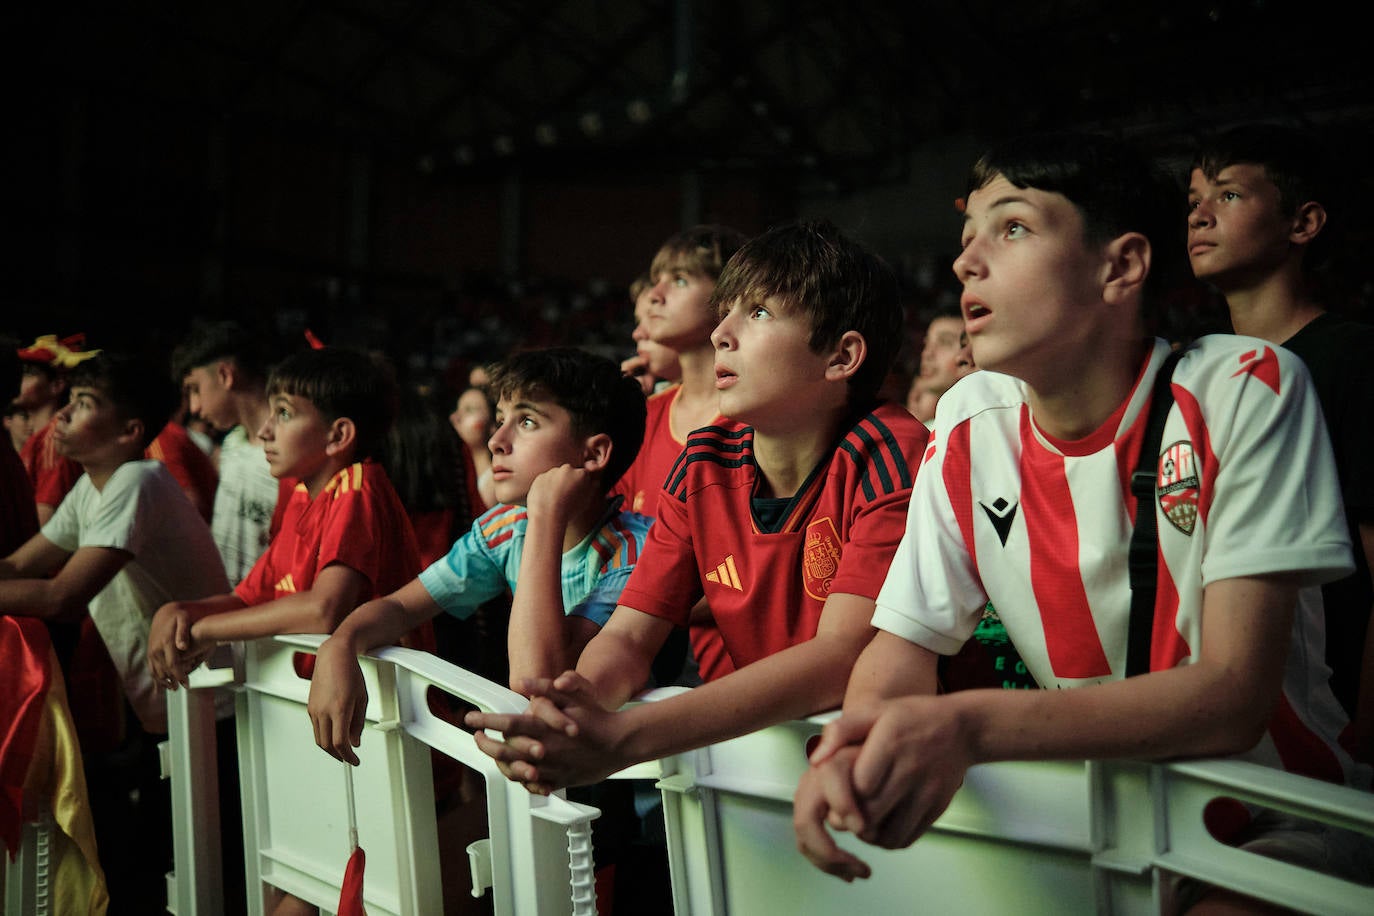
[1247, 486]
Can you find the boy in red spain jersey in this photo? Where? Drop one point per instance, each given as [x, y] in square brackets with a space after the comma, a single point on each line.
[1024, 499]
[785, 518]
[344, 536]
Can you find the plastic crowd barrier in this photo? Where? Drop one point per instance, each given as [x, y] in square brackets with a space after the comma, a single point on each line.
[1026, 838]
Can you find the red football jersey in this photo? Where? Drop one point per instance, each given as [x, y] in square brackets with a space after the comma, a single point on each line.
[767, 584]
[358, 521]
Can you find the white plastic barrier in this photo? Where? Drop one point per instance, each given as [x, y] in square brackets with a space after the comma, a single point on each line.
[1025, 838]
[1052, 838]
[538, 857]
[26, 880]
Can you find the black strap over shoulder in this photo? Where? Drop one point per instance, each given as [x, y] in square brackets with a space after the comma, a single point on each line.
[1143, 559]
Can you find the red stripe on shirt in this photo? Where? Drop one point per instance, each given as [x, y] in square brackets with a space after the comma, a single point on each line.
[1300, 749]
[1168, 648]
[1071, 639]
[1202, 450]
[958, 484]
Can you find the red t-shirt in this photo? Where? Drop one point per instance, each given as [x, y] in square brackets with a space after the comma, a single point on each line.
[51, 473]
[357, 520]
[642, 485]
[191, 467]
[767, 584]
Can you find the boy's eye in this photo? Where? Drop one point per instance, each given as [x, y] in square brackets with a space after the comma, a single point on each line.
[759, 311]
[679, 281]
[1229, 195]
[283, 414]
[528, 423]
[1014, 230]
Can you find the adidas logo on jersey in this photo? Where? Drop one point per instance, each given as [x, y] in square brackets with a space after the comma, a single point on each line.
[726, 574]
[286, 585]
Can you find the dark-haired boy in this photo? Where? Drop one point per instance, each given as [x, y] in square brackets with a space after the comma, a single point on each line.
[344, 537]
[784, 518]
[1024, 499]
[222, 368]
[568, 424]
[1260, 225]
[124, 540]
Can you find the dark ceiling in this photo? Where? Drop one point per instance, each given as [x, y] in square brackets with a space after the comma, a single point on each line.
[834, 95]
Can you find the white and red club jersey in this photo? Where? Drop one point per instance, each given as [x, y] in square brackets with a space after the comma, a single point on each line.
[1246, 486]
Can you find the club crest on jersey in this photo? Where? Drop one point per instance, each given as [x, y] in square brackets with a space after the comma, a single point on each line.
[1177, 486]
[820, 558]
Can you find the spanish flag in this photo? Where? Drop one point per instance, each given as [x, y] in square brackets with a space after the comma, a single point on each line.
[40, 761]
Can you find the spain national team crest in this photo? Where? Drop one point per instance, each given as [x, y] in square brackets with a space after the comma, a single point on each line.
[1177, 486]
[820, 558]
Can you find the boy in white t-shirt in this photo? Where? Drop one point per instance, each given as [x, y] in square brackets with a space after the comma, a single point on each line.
[1024, 499]
[123, 542]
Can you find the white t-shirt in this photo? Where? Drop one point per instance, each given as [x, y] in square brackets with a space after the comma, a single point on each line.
[1246, 486]
[143, 511]
[244, 502]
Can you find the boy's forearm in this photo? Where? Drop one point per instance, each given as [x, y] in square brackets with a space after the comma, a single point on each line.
[536, 638]
[799, 681]
[317, 610]
[616, 667]
[31, 598]
[1218, 705]
[383, 621]
[890, 667]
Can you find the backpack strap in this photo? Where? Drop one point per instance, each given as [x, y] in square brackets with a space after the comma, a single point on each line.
[1143, 558]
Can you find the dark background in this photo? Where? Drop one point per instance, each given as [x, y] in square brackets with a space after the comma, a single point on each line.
[446, 180]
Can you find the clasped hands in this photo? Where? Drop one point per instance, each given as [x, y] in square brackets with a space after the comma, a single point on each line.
[882, 775]
[565, 737]
[173, 649]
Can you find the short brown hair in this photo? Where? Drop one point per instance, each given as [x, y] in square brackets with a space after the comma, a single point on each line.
[700, 250]
[838, 284]
[343, 383]
[596, 394]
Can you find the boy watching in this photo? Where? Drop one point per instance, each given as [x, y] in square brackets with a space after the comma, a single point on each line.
[222, 369]
[568, 424]
[344, 536]
[124, 540]
[42, 393]
[1259, 228]
[784, 517]
[1061, 236]
[678, 317]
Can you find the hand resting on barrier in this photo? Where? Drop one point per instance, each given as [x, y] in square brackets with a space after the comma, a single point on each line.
[338, 700]
[565, 738]
[884, 776]
[173, 650]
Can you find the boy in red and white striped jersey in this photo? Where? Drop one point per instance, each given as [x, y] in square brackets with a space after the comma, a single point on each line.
[1024, 499]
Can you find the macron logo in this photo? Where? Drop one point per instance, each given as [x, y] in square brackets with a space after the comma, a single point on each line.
[726, 574]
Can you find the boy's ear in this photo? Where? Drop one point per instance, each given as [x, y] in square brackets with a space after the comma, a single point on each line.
[225, 372]
[133, 430]
[847, 356]
[1307, 222]
[342, 437]
[1126, 266]
[596, 452]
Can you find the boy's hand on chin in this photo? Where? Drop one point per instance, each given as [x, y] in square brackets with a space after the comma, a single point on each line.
[557, 491]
